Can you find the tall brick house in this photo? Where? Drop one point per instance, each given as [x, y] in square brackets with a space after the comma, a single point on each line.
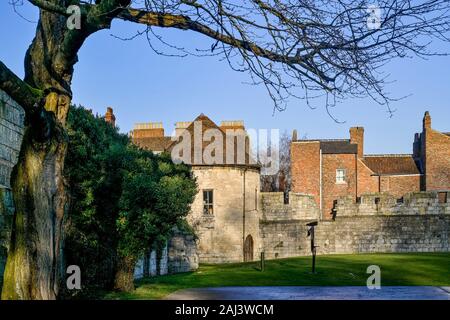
[329, 169]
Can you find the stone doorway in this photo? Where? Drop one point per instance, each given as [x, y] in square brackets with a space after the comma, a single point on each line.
[248, 249]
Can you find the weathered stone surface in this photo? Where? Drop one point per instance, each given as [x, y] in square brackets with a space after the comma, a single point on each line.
[178, 255]
[182, 253]
[419, 224]
[299, 207]
[221, 234]
[11, 132]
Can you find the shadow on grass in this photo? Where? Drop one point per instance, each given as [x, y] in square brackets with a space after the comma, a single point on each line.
[427, 269]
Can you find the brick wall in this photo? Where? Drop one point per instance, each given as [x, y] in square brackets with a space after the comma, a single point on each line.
[305, 168]
[437, 164]
[332, 190]
[400, 185]
[367, 183]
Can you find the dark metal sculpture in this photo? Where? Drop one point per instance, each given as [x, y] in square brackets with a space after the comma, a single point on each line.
[311, 226]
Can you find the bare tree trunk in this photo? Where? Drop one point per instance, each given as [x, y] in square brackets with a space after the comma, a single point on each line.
[124, 280]
[35, 260]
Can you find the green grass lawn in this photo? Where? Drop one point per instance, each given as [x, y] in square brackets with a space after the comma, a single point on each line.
[416, 269]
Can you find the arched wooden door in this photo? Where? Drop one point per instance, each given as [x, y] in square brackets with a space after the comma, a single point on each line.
[248, 249]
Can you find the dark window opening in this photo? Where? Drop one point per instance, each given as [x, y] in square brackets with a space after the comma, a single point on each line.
[208, 206]
[378, 203]
[334, 210]
[442, 196]
[286, 197]
[400, 200]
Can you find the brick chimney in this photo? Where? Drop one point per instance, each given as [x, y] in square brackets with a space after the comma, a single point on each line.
[148, 130]
[110, 117]
[426, 121]
[232, 125]
[357, 137]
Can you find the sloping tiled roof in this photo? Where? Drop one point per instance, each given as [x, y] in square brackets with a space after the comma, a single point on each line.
[338, 147]
[153, 143]
[206, 124]
[392, 164]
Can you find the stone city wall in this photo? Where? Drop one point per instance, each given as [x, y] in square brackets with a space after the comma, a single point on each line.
[178, 255]
[378, 224]
[297, 207]
[386, 204]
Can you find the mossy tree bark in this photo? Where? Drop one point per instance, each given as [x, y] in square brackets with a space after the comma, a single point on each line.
[124, 280]
[34, 266]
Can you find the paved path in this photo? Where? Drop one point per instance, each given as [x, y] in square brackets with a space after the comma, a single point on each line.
[313, 293]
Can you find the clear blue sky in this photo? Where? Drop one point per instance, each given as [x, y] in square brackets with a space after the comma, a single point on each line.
[142, 86]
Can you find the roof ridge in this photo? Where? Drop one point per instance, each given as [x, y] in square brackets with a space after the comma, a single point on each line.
[386, 155]
[324, 140]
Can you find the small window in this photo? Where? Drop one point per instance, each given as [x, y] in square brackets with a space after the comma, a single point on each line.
[208, 207]
[442, 197]
[378, 203]
[340, 176]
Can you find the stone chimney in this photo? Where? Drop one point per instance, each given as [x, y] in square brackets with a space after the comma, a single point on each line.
[357, 137]
[110, 117]
[426, 121]
[233, 125]
[148, 130]
[181, 126]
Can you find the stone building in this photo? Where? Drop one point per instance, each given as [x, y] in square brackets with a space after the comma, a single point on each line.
[329, 169]
[225, 212]
[11, 132]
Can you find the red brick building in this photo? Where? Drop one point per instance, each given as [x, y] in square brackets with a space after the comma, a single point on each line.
[329, 169]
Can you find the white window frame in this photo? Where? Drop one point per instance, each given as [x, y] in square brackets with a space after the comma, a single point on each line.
[208, 204]
[341, 178]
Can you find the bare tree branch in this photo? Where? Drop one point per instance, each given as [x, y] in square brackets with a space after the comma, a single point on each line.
[185, 23]
[329, 49]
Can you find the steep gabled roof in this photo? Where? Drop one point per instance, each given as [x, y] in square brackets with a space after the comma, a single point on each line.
[392, 164]
[208, 124]
[153, 143]
[333, 146]
[338, 147]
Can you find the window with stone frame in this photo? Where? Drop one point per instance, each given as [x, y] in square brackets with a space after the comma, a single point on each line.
[208, 204]
[340, 176]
